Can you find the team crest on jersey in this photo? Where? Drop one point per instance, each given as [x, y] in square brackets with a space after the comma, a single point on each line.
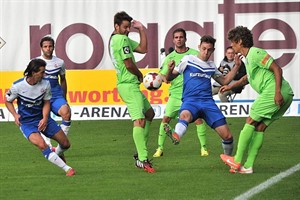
[126, 50]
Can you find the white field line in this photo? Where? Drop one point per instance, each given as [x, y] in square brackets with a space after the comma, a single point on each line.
[268, 183]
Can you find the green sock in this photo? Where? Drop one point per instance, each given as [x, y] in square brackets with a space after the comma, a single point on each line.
[254, 147]
[146, 131]
[140, 144]
[161, 136]
[201, 132]
[244, 140]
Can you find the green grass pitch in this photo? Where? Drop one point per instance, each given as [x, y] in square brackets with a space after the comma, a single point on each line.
[101, 153]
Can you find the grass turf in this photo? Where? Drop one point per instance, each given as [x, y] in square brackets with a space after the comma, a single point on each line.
[101, 153]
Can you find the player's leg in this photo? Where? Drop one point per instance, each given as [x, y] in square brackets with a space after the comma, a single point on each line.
[216, 120]
[60, 107]
[149, 115]
[65, 113]
[31, 133]
[47, 140]
[258, 136]
[171, 112]
[185, 118]
[161, 137]
[136, 105]
[201, 133]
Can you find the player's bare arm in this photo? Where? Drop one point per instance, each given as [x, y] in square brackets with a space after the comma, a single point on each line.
[278, 81]
[242, 82]
[132, 68]
[171, 74]
[63, 84]
[46, 111]
[10, 107]
[224, 80]
[142, 48]
[164, 78]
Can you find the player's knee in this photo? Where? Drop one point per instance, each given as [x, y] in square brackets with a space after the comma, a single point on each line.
[65, 112]
[65, 144]
[150, 114]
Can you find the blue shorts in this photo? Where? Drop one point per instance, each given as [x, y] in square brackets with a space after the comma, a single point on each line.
[52, 128]
[56, 103]
[207, 110]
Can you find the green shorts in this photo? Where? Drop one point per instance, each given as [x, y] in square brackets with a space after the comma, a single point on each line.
[172, 107]
[264, 108]
[136, 102]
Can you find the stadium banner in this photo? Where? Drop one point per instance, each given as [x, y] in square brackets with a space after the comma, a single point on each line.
[82, 35]
[96, 98]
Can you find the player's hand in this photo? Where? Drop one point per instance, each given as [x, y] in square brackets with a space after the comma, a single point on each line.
[17, 120]
[171, 65]
[225, 88]
[42, 124]
[278, 99]
[140, 78]
[237, 59]
[136, 24]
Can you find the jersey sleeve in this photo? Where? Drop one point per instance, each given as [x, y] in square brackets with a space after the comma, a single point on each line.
[263, 59]
[182, 64]
[63, 69]
[11, 94]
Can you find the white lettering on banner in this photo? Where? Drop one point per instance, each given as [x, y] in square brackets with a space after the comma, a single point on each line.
[120, 111]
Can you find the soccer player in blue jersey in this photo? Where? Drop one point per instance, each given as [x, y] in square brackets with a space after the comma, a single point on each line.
[275, 97]
[175, 93]
[33, 95]
[56, 74]
[197, 99]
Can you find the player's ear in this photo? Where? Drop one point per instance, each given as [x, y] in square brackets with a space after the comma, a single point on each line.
[116, 26]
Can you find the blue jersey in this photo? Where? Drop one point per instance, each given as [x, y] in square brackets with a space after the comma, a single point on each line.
[197, 94]
[30, 99]
[196, 77]
[54, 68]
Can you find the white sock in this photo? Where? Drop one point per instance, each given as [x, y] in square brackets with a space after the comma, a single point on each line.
[180, 129]
[59, 151]
[55, 159]
[65, 128]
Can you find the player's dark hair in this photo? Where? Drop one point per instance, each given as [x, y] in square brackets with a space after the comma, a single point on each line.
[178, 30]
[241, 33]
[120, 17]
[208, 39]
[47, 38]
[34, 66]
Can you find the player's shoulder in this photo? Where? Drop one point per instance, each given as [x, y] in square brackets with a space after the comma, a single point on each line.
[193, 51]
[19, 81]
[57, 59]
[189, 57]
[211, 63]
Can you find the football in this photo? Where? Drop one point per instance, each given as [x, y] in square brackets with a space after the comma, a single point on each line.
[152, 81]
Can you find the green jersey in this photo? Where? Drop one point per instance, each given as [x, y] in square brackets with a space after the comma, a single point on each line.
[121, 48]
[257, 67]
[176, 85]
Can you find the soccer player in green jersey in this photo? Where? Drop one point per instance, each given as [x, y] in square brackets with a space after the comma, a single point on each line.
[175, 93]
[129, 78]
[275, 97]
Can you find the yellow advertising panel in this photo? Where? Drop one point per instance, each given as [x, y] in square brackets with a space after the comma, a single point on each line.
[90, 87]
